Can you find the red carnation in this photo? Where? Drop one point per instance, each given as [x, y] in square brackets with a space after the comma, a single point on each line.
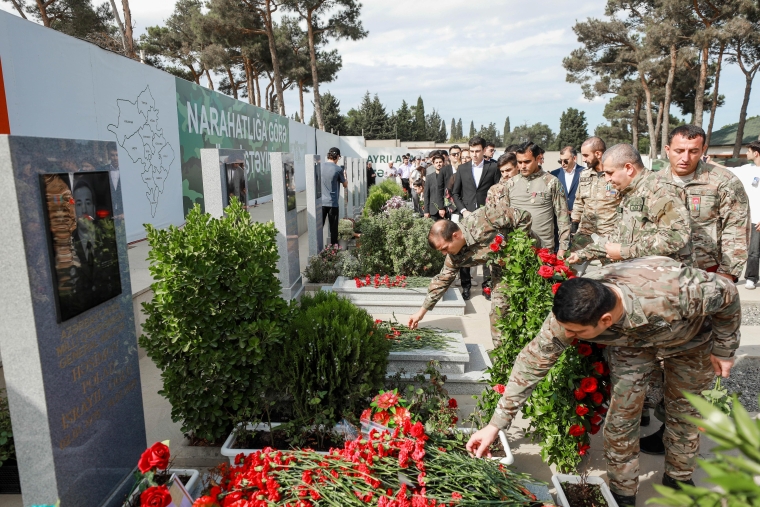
[546, 271]
[486, 291]
[498, 239]
[156, 496]
[547, 258]
[589, 385]
[599, 367]
[576, 430]
[597, 419]
[541, 251]
[494, 247]
[597, 397]
[581, 410]
[499, 388]
[155, 456]
[601, 410]
[585, 349]
[555, 287]
[418, 430]
[563, 269]
[579, 395]
[453, 403]
[583, 448]
[594, 429]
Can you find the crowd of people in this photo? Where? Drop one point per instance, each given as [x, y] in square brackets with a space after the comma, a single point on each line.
[661, 252]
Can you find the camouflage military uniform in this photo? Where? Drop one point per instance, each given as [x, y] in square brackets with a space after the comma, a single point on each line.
[719, 217]
[595, 208]
[672, 311]
[542, 195]
[480, 228]
[497, 191]
[651, 221]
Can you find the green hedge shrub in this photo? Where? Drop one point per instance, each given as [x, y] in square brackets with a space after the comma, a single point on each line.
[334, 362]
[379, 195]
[396, 244]
[217, 322]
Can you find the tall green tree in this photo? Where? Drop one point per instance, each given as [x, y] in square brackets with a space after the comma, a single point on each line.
[327, 19]
[539, 133]
[442, 136]
[507, 127]
[472, 133]
[744, 50]
[460, 132]
[433, 127]
[490, 134]
[331, 115]
[420, 123]
[370, 118]
[573, 129]
[453, 130]
[403, 123]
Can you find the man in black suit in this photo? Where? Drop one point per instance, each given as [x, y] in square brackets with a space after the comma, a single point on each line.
[434, 207]
[470, 189]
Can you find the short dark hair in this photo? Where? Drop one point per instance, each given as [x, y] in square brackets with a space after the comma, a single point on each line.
[453, 147]
[596, 144]
[529, 146]
[570, 149]
[507, 158]
[446, 232]
[582, 301]
[418, 183]
[490, 144]
[689, 132]
[436, 155]
[754, 146]
[512, 148]
[477, 141]
[333, 154]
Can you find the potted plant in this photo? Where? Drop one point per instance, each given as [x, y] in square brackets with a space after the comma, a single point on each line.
[345, 232]
[582, 491]
[9, 477]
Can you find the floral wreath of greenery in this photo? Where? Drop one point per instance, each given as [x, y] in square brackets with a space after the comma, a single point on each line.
[570, 403]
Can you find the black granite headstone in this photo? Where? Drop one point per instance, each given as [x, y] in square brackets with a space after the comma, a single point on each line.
[67, 336]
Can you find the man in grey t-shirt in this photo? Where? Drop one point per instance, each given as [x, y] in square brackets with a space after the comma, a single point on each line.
[332, 177]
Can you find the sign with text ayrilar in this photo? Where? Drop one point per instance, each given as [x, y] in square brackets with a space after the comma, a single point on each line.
[212, 120]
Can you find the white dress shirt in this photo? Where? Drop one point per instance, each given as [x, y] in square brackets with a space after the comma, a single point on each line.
[404, 170]
[477, 171]
[569, 178]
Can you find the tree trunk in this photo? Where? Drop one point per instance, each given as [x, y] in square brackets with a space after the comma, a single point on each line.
[699, 100]
[660, 112]
[42, 6]
[267, 95]
[210, 82]
[668, 96]
[714, 104]
[232, 82]
[19, 8]
[128, 29]
[300, 97]
[258, 88]
[743, 113]
[314, 76]
[249, 80]
[120, 24]
[635, 123]
[650, 118]
[273, 51]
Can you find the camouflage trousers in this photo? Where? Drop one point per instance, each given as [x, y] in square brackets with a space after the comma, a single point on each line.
[630, 370]
[499, 303]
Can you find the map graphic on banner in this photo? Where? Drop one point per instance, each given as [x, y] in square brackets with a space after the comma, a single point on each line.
[137, 131]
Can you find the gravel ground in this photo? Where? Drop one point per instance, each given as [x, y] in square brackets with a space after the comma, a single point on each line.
[745, 381]
[751, 315]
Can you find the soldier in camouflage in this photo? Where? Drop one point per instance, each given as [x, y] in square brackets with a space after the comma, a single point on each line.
[652, 219]
[542, 195]
[642, 310]
[720, 227]
[508, 168]
[596, 202]
[466, 245]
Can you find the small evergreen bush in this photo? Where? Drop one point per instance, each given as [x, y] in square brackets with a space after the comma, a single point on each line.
[325, 266]
[216, 323]
[380, 194]
[334, 361]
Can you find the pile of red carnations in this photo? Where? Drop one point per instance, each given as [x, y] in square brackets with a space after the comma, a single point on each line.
[399, 469]
[377, 281]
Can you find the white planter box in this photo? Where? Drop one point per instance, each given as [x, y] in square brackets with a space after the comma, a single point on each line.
[230, 451]
[558, 479]
[508, 459]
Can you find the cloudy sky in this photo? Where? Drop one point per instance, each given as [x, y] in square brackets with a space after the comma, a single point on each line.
[482, 61]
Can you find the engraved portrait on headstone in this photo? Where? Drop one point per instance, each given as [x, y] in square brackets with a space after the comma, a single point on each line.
[290, 181]
[235, 184]
[82, 240]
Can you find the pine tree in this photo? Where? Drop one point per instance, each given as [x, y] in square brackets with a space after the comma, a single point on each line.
[403, 122]
[460, 132]
[453, 130]
[420, 125]
[442, 134]
[573, 129]
[334, 121]
[472, 130]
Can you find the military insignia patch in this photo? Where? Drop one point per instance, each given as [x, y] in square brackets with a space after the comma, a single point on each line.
[694, 203]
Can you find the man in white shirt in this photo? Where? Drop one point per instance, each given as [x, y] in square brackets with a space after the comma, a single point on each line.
[749, 175]
[404, 170]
